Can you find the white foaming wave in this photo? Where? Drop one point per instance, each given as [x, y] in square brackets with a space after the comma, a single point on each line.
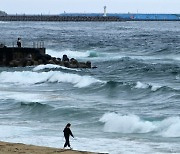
[140, 85]
[50, 66]
[30, 97]
[25, 97]
[28, 78]
[77, 80]
[69, 53]
[125, 124]
[169, 127]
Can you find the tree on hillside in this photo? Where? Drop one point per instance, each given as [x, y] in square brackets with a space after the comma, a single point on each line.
[2, 13]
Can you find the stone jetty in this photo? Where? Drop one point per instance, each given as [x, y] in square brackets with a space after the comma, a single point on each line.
[58, 18]
[21, 57]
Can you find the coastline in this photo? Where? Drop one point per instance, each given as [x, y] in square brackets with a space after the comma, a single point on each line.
[20, 148]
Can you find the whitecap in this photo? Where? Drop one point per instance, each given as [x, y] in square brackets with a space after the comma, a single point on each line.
[50, 66]
[126, 123]
[29, 78]
[152, 86]
[114, 122]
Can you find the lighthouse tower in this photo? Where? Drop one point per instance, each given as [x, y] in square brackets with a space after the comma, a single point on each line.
[104, 11]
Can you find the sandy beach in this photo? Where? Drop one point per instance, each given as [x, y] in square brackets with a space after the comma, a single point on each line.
[19, 148]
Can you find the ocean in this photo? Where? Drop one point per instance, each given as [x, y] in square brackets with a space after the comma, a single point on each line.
[129, 104]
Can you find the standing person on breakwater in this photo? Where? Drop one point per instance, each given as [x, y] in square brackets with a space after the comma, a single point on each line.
[67, 133]
[19, 42]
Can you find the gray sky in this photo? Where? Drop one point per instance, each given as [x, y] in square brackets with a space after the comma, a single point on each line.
[89, 6]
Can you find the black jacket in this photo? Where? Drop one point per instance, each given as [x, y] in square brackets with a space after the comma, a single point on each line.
[67, 132]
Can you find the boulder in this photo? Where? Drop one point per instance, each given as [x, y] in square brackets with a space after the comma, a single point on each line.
[82, 65]
[74, 63]
[65, 58]
[88, 64]
[66, 64]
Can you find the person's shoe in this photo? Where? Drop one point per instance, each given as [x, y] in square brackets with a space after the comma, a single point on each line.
[70, 148]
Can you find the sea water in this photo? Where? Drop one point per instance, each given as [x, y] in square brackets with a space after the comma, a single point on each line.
[129, 104]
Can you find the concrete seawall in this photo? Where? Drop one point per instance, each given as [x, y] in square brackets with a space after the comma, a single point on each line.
[56, 18]
[22, 57]
[14, 53]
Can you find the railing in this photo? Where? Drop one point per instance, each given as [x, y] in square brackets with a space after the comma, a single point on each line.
[39, 44]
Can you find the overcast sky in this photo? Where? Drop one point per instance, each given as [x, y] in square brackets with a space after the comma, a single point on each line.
[89, 6]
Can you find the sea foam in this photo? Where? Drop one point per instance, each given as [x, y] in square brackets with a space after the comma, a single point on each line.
[153, 87]
[50, 66]
[72, 54]
[126, 124]
[28, 78]
[113, 122]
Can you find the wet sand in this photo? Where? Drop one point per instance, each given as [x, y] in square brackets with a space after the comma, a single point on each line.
[19, 148]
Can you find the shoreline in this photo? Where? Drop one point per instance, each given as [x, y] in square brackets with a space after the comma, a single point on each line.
[20, 148]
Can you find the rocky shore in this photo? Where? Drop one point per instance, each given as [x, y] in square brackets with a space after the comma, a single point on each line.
[19, 148]
[47, 59]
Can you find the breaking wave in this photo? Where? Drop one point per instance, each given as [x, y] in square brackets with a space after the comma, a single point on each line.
[72, 54]
[153, 87]
[28, 78]
[113, 122]
[50, 66]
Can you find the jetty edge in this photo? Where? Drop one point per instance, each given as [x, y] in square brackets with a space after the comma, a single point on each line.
[24, 56]
[19, 148]
[58, 18]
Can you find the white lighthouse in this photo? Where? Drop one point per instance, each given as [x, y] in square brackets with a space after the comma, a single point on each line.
[104, 11]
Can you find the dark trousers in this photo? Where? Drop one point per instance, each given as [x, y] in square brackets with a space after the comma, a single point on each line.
[67, 142]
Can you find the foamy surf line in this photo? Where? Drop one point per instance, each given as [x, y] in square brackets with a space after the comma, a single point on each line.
[127, 124]
[103, 145]
[31, 97]
[51, 66]
[29, 78]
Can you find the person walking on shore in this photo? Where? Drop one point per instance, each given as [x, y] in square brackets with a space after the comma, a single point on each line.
[67, 133]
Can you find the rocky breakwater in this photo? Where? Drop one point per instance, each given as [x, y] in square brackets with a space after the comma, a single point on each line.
[47, 59]
[22, 56]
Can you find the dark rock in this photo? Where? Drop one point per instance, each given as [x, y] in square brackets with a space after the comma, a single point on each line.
[74, 63]
[66, 64]
[58, 61]
[88, 64]
[48, 57]
[51, 62]
[82, 65]
[35, 62]
[29, 63]
[65, 58]
[40, 61]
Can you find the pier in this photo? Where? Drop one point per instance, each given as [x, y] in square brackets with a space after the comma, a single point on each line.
[58, 18]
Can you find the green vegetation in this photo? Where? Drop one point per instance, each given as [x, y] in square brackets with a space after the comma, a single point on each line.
[2, 13]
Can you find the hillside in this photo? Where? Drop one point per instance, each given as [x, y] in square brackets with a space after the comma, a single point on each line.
[2, 13]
